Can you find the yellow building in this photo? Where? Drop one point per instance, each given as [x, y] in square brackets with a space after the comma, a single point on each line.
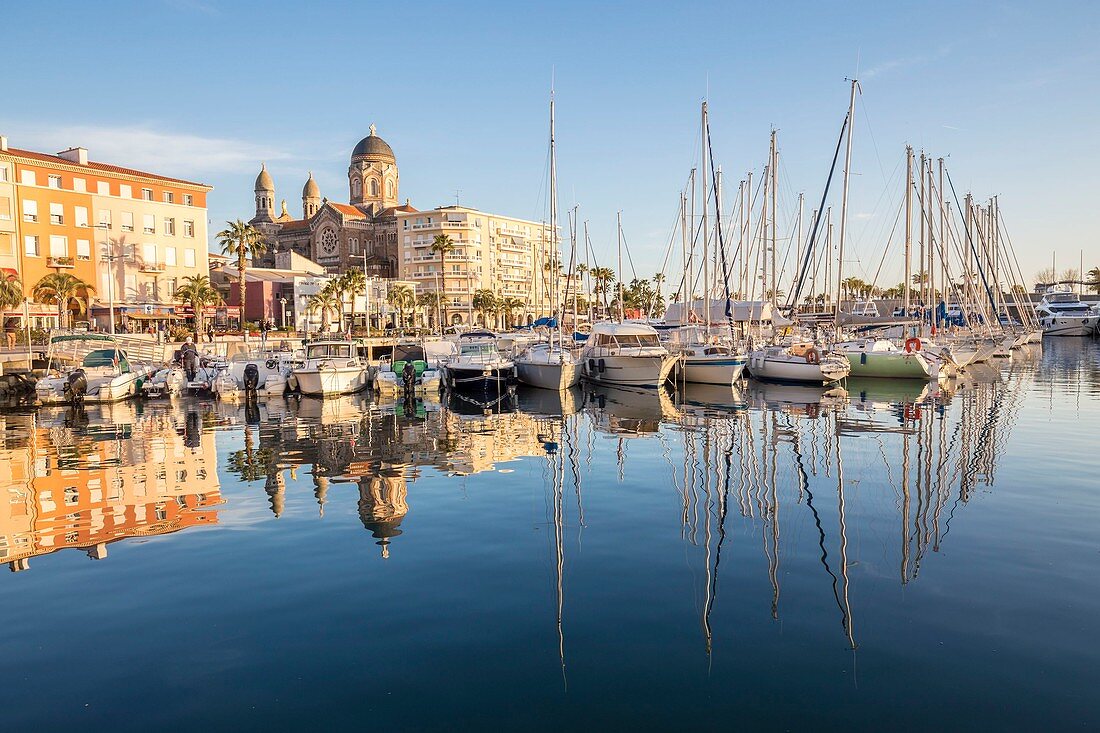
[131, 235]
[513, 258]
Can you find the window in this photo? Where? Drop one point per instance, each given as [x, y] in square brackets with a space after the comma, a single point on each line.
[27, 178]
[105, 218]
[4, 173]
[53, 181]
[149, 223]
[59, 246]
[125, 191]
[149, 253]
[188, 200]
[80, 185]
[405, 224]
[170, 227]
[83, 249]
[172, 284]
[170, 256]
[5, 208]
[31, 245]
[188, 258]
[30, 210]
[147, 194]
[188, 228]
[105, 283]
[127, 221]
[130, 288]
[103, 188]
[57, 213]
[169, 197]
[80, 215]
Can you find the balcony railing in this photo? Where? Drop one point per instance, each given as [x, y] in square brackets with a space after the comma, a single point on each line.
[60, 263]
[152, 267]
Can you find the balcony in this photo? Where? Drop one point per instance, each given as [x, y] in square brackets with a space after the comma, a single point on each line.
[60, 263]
[454, 224]
[510, 231]
[153, 268]
[416, 227]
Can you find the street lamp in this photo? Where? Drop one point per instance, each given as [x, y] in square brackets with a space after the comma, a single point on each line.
[282, 302]
[110, 257]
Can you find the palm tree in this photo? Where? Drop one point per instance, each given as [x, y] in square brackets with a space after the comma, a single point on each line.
[242, 241]
[326, 303]
[603, 276]
[401, 297]
[11, 294]
[1094, 280]
[509, 305]
[334, 289]
[70, 292]
[442, 244]
[429, 301]
[484, 302]
[354, 283]
[197, 292]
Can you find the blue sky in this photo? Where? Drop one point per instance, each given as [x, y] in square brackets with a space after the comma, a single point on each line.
[1008, 92]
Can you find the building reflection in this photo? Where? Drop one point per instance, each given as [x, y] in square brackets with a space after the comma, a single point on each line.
[82, 478]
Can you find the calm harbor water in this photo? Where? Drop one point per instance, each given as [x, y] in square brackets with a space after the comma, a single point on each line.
[886, 555]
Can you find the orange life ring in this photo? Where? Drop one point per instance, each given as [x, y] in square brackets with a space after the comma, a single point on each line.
[911, 345]
[813, 357]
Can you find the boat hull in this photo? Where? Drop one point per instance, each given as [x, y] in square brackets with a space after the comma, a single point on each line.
[793, 371]
[483, 379]
[629, 371]
[703, 370]
[331, 382]
[549, 375]
[888, 365]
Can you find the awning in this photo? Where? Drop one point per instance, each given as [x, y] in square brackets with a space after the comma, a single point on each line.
[154, 317]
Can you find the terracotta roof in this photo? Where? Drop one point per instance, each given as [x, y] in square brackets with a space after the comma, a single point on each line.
[348, 210]
[105, 167]
[404, 209]
[296, 224]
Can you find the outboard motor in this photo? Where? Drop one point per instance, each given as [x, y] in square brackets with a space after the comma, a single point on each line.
[76, 385]
[408, 377]
[251, 378]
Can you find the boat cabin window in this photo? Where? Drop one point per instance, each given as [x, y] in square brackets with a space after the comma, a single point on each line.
[477, 350]
[329, 351]
[643, 339]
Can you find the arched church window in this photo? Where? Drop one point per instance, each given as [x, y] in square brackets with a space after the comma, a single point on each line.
[389, 189]
[355, 186]
[374, 187]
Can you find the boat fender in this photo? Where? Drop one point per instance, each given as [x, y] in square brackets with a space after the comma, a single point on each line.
[602, 365]
[591, 366]
[813, 356]
[863, 357]
[911, 345]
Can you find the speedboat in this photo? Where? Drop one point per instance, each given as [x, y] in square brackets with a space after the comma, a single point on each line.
[330, 368]
[548, 366]
[88, 367]
[874, 357]
[798, 363]
[479, 365]
[1061, 313]
[263, 373]
[426, 359]
[626, 354]
[165, 382]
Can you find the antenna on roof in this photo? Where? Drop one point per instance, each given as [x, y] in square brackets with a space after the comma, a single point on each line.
[457, 192]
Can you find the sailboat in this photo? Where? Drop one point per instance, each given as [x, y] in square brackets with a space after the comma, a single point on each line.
[549, 365]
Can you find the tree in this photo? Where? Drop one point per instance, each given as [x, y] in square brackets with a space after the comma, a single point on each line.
[354, 284]
[197, 292]
[69, 292]
[326, 303]
[401, 297]
[334, 290]
[509, 306]
[603, 276]
[442, 245]
[243, 242]
[11, 294]
[1094, 280]
[429, 302]
[485, 303]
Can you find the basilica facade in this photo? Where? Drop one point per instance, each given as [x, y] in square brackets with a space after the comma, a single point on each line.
[361, 233]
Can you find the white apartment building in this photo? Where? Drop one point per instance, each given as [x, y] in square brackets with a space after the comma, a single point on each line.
[511, 257]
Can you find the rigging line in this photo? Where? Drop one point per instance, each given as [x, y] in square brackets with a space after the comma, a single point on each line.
[796, 291]
[870, 132]
[721, 242]
[970, 240]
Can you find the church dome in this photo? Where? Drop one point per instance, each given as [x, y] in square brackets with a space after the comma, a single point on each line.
[311, 190]
[263, 181]
[373, 147]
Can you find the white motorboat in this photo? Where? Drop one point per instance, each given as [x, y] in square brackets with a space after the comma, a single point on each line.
[548, 366]
[330, 368]
[479, 365]
[88, 367]
[799, 363]
[626, 354]
[875, 357]
[1061, 313]
[426, 358]
[263, 373]
[165, 382]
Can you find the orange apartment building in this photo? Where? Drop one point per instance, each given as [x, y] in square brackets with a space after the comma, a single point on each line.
[132, 235]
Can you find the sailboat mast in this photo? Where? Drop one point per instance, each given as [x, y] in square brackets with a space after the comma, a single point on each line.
[774, 165]
[619, 231]
[844, 198]
[798, 238]
[908, 226]
[706, 232]
[555, 250]
[683, 249]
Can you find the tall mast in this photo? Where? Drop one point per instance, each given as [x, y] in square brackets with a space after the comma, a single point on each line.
[683, 249]
[844, 198]
[798, 241]
[943, 237]
[691, 246]
[706, 232]
[923, 240]
[619, 230]
[908, 226]
[746, 238]
[774, 165]
[554, 248]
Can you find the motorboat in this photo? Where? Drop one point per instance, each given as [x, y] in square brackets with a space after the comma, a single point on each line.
[626, 354]
[426, 358]
[165, 382]
[479, 365]
[88, 367]
[330, 368]
[876, 357]
[1061, 313]
[548, 366]
[798, 363]
[263, 373]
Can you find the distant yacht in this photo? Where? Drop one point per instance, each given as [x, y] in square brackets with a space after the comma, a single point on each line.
[1061, 313]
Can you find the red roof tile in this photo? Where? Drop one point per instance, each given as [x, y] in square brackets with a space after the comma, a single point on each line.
[295, 224]
[105, 167]
[348, 210]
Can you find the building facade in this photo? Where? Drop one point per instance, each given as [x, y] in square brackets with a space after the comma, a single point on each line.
[513, 258]
[132, 235]
[361, 233]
